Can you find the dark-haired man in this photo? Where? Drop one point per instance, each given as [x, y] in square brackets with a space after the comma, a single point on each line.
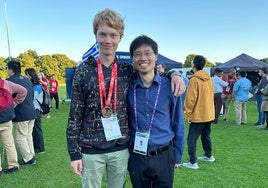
[262, 83]
[241, 91]
[25, 114]
[218, 88]
[161, 68]
[156, 121]
[199, 112]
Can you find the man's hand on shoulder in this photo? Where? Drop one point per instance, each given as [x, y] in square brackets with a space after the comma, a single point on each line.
[177, 85]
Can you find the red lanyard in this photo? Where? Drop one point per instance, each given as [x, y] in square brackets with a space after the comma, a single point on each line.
[112, 87]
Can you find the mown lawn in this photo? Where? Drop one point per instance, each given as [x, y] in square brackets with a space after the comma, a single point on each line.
[241, 157]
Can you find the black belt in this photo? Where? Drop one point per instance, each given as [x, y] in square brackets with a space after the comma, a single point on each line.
[159, 150]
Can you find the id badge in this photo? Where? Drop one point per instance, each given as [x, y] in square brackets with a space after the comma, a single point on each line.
[111, 128]
[227, 88]
[141, 143]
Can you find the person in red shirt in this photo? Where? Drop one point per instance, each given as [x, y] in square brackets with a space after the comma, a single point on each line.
[227, 94]
[43, 80]
[53, 90]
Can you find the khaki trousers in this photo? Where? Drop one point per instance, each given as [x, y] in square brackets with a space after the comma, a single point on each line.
[227, 99]
[8, 143]
[240, 112]
[24, 139]
[94, 166]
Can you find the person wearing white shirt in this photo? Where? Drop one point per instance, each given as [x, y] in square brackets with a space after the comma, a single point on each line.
[218, 88]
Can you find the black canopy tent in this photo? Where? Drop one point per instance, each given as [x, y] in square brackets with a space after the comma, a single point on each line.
[243, 62]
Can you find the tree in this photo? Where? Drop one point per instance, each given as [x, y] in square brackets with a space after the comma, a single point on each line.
[265, 59]
[188, 61]
[63, 62]
[190, 58]
[48, 64]
[27, 61]
[3, 65]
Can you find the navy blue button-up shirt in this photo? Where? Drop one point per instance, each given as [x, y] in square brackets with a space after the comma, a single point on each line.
[168, 122]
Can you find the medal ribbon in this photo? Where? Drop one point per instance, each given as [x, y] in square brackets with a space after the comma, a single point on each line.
[112, 87]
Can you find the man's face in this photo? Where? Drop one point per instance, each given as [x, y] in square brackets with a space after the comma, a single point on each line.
[10, 72]
[144, 59]
[220, 74]
[160, 68]
[108, 39]
[39, 75]
[232, 73]
[260, 72]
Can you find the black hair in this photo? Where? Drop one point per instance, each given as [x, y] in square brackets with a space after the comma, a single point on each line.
[242, 73]
[264, 70]
[141, 40]
[217, 70]
[199, 62]
[34, 78]
[15, 66]
[162, 64]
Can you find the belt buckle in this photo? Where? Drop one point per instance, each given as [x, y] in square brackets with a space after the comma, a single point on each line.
[152, 153]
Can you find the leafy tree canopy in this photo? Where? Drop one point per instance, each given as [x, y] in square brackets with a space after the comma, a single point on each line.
[265, 60]
[190, 58]
[49, 64]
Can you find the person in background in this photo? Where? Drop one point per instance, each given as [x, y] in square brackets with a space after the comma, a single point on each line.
[264, 105]
[43, 80]
[161, 68]
[53, 90]
[241, 91]
[218, 88]
[38, 138]
[262, 83]
[6, 135]
[186, 81]
[227, 93]
[199, 112]
[157, 140]
[97, 131]
[25, 114]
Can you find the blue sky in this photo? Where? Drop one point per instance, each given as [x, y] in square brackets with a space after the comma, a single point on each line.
[218, 29]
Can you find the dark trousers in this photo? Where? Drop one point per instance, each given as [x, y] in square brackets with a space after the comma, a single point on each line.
[217, 104]
[38, 139]
[152, 171]
[261, 115]
[56, 97]
[195, 130]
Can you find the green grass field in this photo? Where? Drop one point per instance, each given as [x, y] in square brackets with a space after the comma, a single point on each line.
[241, 154]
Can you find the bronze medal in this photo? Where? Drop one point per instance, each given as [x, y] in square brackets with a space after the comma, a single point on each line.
[107, 112]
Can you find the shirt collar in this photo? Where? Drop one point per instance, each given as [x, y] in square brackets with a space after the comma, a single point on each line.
[156, 80]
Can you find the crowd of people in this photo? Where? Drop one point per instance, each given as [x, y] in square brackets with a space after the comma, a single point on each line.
[127, 118]
[235, 87]
[24, 118]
